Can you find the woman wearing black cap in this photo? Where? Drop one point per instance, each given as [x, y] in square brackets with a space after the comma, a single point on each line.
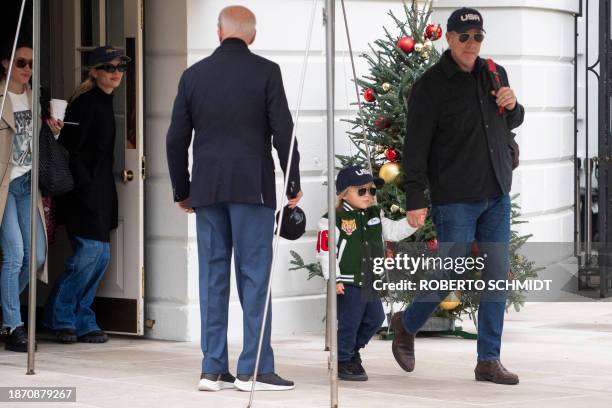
[90, 210]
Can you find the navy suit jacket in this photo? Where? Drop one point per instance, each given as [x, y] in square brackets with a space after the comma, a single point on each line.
[235, 102]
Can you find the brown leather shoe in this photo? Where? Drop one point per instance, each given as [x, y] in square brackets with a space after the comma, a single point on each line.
[495, 372]
[403, 343]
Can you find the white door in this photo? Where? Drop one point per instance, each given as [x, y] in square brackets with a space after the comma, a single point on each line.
[119, 304]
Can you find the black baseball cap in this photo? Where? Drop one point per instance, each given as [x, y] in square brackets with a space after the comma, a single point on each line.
[354, 176]
[464, 19]
[105, 54]
[293, 224]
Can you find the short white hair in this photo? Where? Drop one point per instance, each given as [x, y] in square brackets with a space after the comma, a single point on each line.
[237, 21]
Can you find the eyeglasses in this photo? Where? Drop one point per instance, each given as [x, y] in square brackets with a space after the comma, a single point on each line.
[478, 37]
[22, 63]
[110, 68]
[362, 191]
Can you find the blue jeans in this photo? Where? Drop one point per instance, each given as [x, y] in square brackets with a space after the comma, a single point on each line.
[457, 225]
[248, 228]
[15, 242]
[359, 317]
[69, 305]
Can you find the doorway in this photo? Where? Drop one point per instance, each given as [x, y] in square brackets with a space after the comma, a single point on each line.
[75, 28]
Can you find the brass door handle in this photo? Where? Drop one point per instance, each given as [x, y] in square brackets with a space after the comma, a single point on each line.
[127, 176]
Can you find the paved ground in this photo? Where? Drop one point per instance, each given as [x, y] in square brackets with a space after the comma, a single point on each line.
[562, 352]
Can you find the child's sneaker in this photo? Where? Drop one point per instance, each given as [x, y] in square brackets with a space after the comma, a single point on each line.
[358, 367]
[349, 371]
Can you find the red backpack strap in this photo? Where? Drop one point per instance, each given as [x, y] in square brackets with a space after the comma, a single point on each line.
[495, 78]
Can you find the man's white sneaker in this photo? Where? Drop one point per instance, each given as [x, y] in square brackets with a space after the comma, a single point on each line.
[265, 382]
[216, 382]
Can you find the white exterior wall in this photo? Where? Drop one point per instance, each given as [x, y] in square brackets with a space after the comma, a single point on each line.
[170, 255]
[533, 40]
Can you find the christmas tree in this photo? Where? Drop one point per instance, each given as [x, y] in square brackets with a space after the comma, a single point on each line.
[396, 61]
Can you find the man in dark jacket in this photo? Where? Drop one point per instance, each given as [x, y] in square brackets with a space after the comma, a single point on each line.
[235, 102]
[458, 148]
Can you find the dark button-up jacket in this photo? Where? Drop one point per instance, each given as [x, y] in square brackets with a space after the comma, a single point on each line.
[457, 145]
[235, 102]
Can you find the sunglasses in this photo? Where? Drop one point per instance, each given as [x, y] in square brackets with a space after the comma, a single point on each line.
[478, 37]
[22, 63]
[362, 191]
[110, 68]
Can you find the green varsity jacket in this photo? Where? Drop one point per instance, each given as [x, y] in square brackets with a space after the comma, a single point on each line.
[360, 236]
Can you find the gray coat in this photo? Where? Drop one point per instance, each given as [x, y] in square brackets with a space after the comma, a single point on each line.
[7, 133]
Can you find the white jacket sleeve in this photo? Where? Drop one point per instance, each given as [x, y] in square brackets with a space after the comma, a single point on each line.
[323, 247]
[395, 230]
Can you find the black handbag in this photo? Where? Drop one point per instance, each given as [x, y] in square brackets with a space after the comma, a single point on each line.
[54, 177]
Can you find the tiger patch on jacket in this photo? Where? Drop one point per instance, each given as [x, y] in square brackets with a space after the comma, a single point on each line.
[349, 226]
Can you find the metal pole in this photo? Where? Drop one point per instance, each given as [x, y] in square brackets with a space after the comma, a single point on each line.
[605, 147]
[282, 207]
[588, 208]
[10, 68]
[328, 298]
[331, 197]
[361, 113]
[577, 211]
[577, 161]
[34, 188]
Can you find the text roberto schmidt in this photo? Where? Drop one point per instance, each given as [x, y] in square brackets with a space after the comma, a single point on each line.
[458, 265]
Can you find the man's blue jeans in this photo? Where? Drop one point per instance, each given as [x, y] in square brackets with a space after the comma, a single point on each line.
[457, 225]
[248, 228]
[69, 305]
[15, 242]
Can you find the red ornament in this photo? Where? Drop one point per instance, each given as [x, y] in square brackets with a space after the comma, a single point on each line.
[433, 32]
[382, 123]
[475, 249]
[389, 253]
[369, 95]
[432, 244]
[406, 44]
[391, 154]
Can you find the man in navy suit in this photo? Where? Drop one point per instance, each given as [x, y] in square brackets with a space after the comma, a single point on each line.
[234, 104]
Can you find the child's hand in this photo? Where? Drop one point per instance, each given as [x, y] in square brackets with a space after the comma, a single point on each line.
[340, 288]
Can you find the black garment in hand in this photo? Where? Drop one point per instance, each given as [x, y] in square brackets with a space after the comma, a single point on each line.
[456, 143]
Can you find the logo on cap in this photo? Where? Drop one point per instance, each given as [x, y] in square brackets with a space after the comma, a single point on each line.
[297, 217]
[110, 50]
[362, 172]
[470, 17]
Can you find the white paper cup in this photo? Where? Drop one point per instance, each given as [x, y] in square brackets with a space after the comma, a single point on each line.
[58, 108]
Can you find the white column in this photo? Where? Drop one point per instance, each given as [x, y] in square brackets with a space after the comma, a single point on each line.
[534, 41]
[170, 250]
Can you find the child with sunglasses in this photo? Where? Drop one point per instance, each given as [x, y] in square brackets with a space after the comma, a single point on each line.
[361, 230]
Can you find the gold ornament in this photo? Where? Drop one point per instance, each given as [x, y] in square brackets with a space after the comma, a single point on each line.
[451, 302]
[395, 208]
[418, 47]
[389, 172]
[428, 44]
[386, 87]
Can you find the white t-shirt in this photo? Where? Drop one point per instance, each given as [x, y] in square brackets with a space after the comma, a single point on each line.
[21, 159]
